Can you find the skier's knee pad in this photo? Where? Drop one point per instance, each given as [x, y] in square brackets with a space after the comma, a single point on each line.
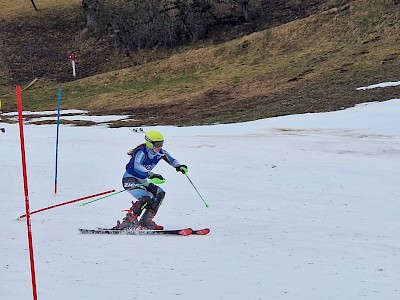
[156, 201]
[160, 196]
[152, 188]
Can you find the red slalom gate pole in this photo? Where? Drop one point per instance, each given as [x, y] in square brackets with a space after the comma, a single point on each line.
[65, 203]
[26, 192]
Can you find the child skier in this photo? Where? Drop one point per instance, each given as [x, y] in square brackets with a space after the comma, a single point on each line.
[149, 196]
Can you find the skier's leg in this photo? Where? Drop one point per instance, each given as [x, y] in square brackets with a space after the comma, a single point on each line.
[143, 198]
[151, 209]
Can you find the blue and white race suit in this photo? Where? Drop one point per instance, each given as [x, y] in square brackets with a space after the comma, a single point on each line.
[138, 168]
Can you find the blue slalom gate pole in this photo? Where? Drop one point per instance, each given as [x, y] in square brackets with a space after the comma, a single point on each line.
[58, 129]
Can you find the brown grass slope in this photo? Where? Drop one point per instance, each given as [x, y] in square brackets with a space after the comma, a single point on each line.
[37, 43]
[309, 65]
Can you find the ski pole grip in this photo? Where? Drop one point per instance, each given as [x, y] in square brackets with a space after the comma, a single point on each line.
[156, 181]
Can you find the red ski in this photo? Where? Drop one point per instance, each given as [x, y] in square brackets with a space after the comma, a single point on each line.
[184, 231]
[201, 231]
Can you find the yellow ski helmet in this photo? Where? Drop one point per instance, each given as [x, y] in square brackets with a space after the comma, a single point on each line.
[154, 138]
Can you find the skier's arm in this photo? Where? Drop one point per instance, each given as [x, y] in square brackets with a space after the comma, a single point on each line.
[170, 160]
[175, 163]
[138, 164]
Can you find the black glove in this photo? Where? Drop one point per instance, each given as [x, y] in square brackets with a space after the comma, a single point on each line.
[153, 175]
[182, 168]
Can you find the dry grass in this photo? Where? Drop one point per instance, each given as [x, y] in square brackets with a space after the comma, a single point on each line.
[309, 65]
[14, 8]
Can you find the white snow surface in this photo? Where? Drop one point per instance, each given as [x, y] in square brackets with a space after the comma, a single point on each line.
[69, 115]
[47, 112]
[383, 84]
[301, 207]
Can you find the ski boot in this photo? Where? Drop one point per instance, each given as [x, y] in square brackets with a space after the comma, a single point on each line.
[130, 221]
[146, 221]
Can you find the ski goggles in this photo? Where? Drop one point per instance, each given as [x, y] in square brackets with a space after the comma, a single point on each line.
[158, 144]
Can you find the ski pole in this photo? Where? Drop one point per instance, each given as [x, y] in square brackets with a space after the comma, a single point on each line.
[153, 180]
[196, 190]
[65, 203]
[109, 195]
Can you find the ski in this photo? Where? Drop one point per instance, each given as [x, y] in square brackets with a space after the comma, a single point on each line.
[183, 232]
[203, 231]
